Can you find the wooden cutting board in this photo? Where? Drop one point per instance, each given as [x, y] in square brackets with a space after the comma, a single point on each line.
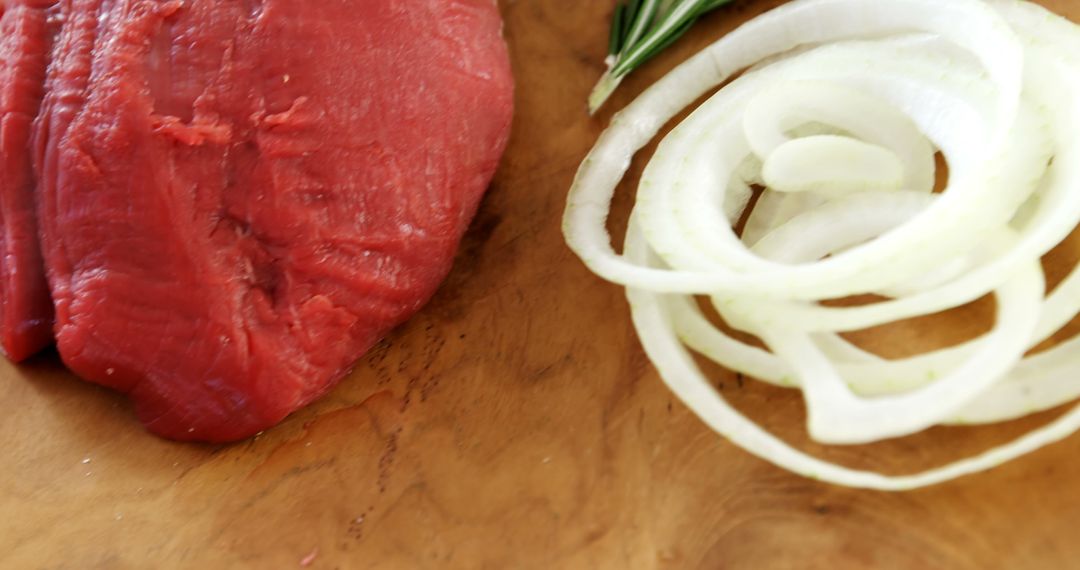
[515, 423]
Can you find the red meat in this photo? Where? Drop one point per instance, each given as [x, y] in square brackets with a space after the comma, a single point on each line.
[25, 309]
[238, 198]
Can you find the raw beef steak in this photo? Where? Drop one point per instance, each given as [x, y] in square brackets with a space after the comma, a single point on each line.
[238, 198]
[25, 309]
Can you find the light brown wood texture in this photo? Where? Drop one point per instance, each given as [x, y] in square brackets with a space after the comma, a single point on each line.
[516, 423]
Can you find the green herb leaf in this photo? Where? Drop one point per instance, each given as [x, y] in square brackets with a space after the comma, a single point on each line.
[640, 29]
[615, 43]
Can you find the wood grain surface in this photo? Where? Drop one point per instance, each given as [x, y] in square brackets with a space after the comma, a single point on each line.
[516, 423]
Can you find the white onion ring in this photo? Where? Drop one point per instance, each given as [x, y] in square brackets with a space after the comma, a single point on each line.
[884, 83]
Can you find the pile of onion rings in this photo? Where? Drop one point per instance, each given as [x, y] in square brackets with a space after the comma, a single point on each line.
[838, 113]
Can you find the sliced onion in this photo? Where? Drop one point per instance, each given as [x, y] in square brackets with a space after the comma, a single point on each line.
[840, 110]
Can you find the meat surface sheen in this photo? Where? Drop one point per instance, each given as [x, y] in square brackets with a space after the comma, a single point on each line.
[25, 308]
[238, 198]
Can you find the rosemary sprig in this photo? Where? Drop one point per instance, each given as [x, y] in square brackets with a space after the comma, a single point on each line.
[641, 29]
